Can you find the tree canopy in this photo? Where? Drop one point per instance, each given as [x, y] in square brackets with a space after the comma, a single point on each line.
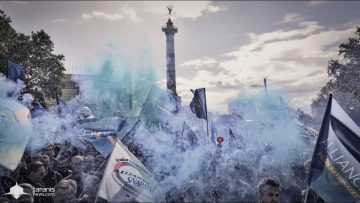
[344, 82]
[44, 70]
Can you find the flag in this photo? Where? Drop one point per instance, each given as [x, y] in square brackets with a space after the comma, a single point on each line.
[128, 131]
[14, 71]
[232, 140]
[127, 180]
[189, 137]
[102, 141]
[103, 132]
[198, 103]
[15, 132]
[335, 170]
[213, 133]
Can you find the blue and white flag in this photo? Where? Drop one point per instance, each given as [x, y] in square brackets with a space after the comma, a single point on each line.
[15, 131]
[335, 169]
[103, 141]
[14, 71]
[127, 180]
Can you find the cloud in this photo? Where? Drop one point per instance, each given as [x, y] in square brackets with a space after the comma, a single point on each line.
[317, 2]
[292, 17]
[293, 61]
[198, 63]
[99, 14]
[59, 20]
[130, 13]
[125, 12]
[20, 2]
[184, 9]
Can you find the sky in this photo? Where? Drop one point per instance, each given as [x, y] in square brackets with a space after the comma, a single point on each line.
[228, 47]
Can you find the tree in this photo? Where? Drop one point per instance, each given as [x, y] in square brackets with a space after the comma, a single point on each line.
[344, 81]
[43, 69]
[13, 45]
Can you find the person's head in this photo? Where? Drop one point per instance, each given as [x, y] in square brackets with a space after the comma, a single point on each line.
[192, 192]
[4, 200]
[91, 183]
[48, 151]
[45, 159]
[61, 164]
[65, 191]
[99, 159]
[232, 166]
[27, 196]
[89, 162]
[36, 171]
[77, 163]
[84, 112]
[268, 189]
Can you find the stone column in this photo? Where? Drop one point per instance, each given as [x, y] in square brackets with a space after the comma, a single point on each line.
[170, 31]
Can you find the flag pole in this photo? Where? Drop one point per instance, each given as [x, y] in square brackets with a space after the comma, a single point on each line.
[309, 175]
[265, 85]
[207, 122]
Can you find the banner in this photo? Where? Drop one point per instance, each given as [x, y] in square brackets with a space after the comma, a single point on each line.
[127, 180]
[15, 132]
[335, 170]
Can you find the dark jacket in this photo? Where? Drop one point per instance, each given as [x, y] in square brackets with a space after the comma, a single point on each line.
[38, 199]
[51, 178]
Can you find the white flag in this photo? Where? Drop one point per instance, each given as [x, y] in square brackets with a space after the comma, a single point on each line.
[127, 179]
[15, 131]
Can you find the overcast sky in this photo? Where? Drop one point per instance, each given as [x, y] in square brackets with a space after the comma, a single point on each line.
[226, 47]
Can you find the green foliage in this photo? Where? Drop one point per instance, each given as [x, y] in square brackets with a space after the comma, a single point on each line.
[344, 81]
[43, 69]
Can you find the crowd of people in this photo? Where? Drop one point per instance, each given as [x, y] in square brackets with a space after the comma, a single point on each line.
[66, 174]
[60, 172]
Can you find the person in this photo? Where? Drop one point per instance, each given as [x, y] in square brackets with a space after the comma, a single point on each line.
[77, 165]
[89, 164]
[99, 165]
[51, 177]
[192, 192]
[4, 200]
[27, 196]
[35, 174]
[35, 177]
[268, 190]
[65, 191]
[85, 115]
[99, 159]
[61, 167]
[91, 184]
